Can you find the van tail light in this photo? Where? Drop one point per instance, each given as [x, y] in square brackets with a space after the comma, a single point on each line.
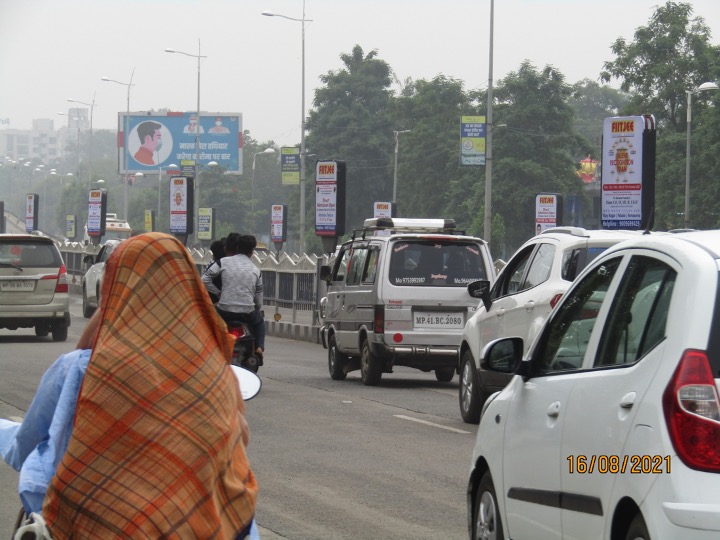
[379, 319]
[692, 412]
[62, 280]
[554, 300]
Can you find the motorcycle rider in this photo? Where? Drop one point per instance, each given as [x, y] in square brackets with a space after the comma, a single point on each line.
[241, 295]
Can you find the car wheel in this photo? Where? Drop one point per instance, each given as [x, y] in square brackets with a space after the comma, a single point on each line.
[445, 374]
[638, 530]
[469, 393]
[86, 308]
[486, 516]
[336, 361]
[370, 367]
[42, 329]
[59, 331]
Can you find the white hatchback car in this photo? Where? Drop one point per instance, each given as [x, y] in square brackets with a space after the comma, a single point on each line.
[93, 278]
[610, 427]
[526, 290]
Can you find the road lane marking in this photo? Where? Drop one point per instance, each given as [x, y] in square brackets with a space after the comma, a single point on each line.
[403, 417]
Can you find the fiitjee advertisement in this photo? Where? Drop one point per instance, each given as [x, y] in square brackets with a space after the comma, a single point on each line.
[32, 204]
[330, 198]
[181, 205]
[628, 172]
[158, 140]
[383, 209]
[278, 223]
[548, 211]
[97, 208]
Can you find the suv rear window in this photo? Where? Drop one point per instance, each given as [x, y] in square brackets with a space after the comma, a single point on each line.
[435, 263]
[575, 260]
[29, 253]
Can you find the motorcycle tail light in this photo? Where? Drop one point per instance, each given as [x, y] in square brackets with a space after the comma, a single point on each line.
[237, 331]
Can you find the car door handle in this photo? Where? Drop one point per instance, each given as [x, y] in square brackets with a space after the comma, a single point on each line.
[500, 313]
[628, 400]
[530, 305]
[554, 409]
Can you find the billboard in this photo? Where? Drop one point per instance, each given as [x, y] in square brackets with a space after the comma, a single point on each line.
[472, 140]
[159, 139]
[290, 165]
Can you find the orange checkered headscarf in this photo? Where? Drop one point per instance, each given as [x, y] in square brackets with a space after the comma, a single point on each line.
[156, 449]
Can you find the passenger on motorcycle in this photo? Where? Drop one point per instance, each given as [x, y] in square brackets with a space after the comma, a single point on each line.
[241, 295]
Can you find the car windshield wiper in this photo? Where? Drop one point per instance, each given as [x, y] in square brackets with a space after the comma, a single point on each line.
[11, 265]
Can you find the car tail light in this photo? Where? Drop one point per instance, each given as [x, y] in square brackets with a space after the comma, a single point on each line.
[379, 319]
[554, 300]
[62, 281]
[692, 412]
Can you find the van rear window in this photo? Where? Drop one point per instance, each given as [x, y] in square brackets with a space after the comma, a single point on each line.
[435, 263]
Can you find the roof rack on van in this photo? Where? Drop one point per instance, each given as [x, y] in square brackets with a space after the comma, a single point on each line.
[575, 231]
[410, 224]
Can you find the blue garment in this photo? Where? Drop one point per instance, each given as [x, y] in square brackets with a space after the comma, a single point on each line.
[36, 447]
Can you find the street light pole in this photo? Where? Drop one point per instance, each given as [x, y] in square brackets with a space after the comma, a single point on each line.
[303, 20]
[397, 136]
[197, 129]
[701, 88]
[125, 138]
[77, 124]
[252, 187]
[92, 108]
[487, 221]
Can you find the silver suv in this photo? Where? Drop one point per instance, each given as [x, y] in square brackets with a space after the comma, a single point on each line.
[33, 285]
[397, 296]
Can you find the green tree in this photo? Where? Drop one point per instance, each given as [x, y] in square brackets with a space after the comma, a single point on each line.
[350, 122]
[667, 58]
[593, 103]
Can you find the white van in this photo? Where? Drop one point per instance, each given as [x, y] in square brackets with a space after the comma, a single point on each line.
[397, 296]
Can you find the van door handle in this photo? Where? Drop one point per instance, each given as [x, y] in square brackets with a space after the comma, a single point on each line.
[530, 305]
[628, 400]
[554, 409]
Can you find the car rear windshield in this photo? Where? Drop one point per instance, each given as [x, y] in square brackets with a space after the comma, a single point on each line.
[29, 253]
[436, 263]
[575, 260]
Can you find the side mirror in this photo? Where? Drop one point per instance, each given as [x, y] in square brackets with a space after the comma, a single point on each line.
[88, 261]
[502, 355]
[249, 382]
[481, 289]
[326, 273]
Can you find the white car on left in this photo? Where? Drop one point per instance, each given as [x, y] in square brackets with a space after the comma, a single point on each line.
[92, 280]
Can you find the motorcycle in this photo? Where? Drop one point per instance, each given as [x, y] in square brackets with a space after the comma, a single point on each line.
[244, 354]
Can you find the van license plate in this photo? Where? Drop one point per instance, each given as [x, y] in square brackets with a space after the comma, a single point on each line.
[17, 285]
[434, 319]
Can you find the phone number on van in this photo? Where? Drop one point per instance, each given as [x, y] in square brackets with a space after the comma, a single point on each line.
[438, 320]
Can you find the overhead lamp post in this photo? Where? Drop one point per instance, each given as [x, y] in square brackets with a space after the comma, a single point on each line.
[160, 168]
[92, 108]
[397, 138]
[487, 221]
[77, 123]
[703, 87]
[197, 128]
[125, 137]
[252, 186]
[303, 20]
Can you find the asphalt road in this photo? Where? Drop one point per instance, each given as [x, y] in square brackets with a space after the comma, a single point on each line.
[334, 459]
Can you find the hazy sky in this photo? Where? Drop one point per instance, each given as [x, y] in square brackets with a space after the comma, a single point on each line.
[51, 50]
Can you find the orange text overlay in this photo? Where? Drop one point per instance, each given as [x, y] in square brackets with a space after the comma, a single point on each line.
[612, 464]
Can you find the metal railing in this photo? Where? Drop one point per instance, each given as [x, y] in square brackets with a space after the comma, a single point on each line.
[291, 282]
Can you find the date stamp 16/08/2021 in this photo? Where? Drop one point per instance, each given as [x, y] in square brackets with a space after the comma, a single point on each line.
[614, 464]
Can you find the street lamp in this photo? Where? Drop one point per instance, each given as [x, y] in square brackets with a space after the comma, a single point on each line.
[160, 168]
[92, 108]
[252, 186]
[302, 124]
[487, 222]
[690, 93]
[125, 137]
[197, 128]
[77, 123]
[397, 137]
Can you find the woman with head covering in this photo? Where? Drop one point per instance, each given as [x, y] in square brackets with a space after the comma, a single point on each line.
[157, 448]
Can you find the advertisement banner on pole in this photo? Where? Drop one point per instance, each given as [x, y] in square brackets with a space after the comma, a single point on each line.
[548, 211]
[290, 165]
[97, 209]
[472, 140]
[278, 223]
[181, 205]
[383, 209]
[628, 172]
[71, 226]
[330, 198]
[32, 205]
[206, 222]
[157, 140]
